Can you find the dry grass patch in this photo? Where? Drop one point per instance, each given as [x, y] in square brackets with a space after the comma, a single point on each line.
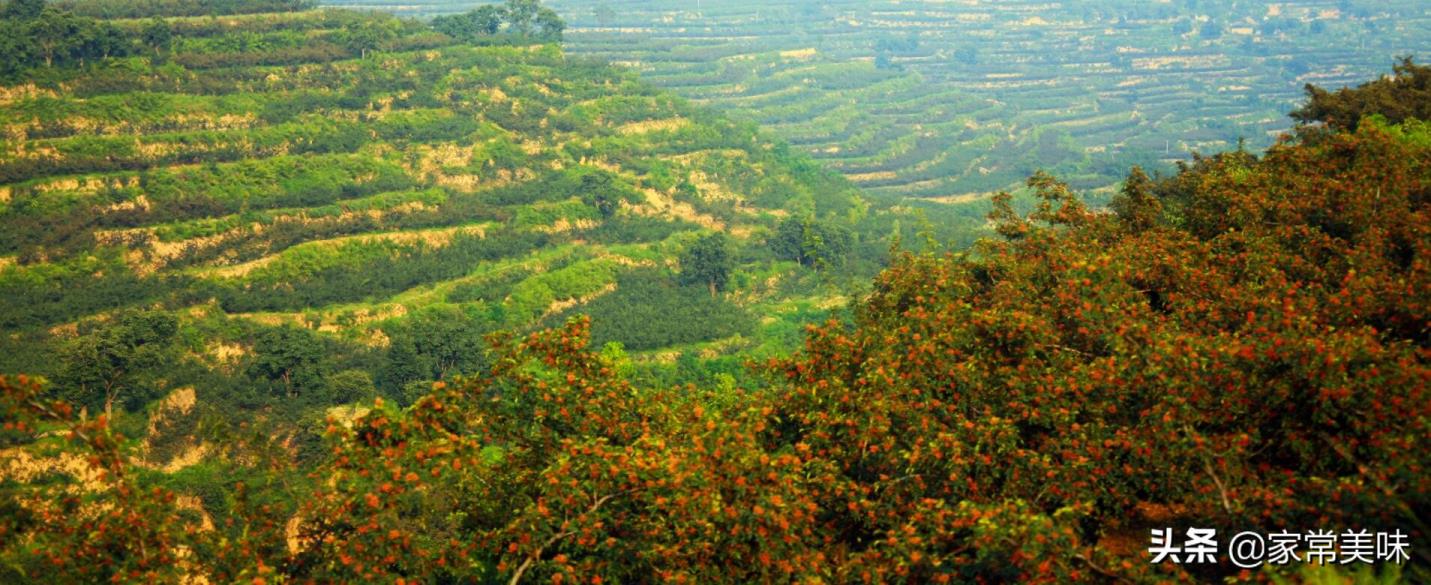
[648, 126]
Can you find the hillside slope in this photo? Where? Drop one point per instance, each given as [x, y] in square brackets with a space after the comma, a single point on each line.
[1239, 349]
[381, 196]
[954, 100]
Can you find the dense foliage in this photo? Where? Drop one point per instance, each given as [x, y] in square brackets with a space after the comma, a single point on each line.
[343, 172]
[110, 363]
[243, 222]
[34, 35]
[1402, 96]
[523, 18]
[811, 242]
[150, 8]
[1242, 345]
[649, 311]
[708, 261]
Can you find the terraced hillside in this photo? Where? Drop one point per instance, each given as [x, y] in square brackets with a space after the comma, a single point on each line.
[949, 99]
[320, 192]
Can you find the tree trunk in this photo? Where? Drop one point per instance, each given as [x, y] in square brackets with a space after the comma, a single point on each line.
[109, 395]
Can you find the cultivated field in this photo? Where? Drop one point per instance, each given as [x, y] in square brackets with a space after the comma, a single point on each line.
[942, 98]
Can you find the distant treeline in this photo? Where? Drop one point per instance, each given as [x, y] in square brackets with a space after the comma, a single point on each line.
[148, 8]
[525, 18]
[38, 36]
[34, 35]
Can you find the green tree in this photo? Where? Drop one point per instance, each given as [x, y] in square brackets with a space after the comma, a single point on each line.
[413, 391]
[23, 9]
[401, 364]
[16, 52]
[291, 356]
[788, 242]
[434, 343]
[158, 35]
[349, 386]
[469, 26]
[521, 15]
[708, 261]
[1404, 95]
[549, 26]
[448, 339]
[1136, 204]
[368, 35]
[120, 358]
[55, 33]
[814, 243]
[487, 19]
[101, 40]
[600, 190]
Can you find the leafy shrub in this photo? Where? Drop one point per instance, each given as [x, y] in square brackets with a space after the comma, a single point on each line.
[648, 310]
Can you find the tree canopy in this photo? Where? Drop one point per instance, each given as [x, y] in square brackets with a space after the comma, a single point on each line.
[34, 35]
[118, 361]
[708, 262]
[811, 242]
[260, 232]
[1241, 346]
[523, 18]
[1406, 94]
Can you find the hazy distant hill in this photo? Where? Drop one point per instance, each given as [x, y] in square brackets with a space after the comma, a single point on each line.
[934, 99]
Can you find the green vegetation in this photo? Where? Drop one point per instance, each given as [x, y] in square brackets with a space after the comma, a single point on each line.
[811, 242]
[152, 8]
[648, 311]
[1403, 96]
[108, 364]
[707, 261]
[33, 35]
[522, 18]
[952, 101]
[1221, 352]
[330, 205]
[300, 295]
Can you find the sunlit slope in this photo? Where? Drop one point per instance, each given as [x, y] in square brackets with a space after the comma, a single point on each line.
[267, 173]
[936, 99]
